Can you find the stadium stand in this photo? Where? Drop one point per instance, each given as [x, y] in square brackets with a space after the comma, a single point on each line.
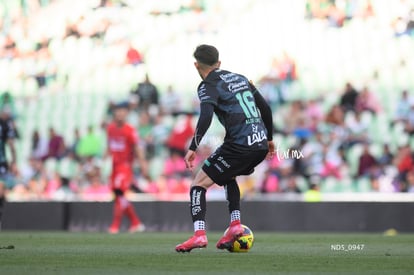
[64, 61]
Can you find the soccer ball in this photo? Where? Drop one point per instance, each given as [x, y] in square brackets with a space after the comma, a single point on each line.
[245, 242]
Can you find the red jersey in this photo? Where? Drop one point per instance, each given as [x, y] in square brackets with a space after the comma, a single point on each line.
[121, 143]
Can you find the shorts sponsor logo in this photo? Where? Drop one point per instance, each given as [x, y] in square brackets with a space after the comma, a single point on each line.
[218, 168]
[224, 162]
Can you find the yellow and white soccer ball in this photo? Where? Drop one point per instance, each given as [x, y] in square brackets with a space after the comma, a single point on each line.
[245, 242]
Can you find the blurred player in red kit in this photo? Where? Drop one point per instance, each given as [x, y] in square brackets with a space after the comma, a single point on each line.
[123, 147]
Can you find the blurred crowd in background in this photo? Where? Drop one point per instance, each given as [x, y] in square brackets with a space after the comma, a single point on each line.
[356, 137]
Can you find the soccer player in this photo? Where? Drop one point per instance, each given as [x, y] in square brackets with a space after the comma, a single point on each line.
[123, 146]
[247, 119]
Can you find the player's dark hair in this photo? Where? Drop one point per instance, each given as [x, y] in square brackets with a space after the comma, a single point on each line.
[206, 54]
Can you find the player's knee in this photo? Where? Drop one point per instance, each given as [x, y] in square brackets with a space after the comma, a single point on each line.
[198, 184]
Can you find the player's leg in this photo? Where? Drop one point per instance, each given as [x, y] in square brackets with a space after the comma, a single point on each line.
[233, 199]
[117, 212]
[235, 229]
[198, 212]
[126, 206]
[120, 181]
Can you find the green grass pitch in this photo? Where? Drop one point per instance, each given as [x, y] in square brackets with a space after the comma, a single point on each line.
[153, 253]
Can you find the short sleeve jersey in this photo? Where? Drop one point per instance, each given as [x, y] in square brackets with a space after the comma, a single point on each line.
[6, 132]
[235, 107]
[121, 143]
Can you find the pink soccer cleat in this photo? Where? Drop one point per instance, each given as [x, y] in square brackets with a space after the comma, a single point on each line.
[232, 233]
[199, 240]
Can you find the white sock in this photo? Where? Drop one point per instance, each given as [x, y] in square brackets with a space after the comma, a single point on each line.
[199, 225]
[235, 215]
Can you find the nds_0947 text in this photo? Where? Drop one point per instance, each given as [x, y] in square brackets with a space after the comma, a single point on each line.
[347, 247]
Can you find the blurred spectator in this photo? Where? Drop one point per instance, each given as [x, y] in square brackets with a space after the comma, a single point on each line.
[2, 199]
[7, 105]
[287, 68]
[367, 163]
[289, 185]
[294, 116]
[357, 130]
[9, 122]
[302, 130]
[133, 56]
[144, 132]
[270, 182]
[170, 101]
[335, 117]
[36, 184]
[410, 180]
[409, 122]
[404, 163]
[39, 147]
[403, 108]
[313, 194]
[336, 13]
[331, 162]
[90, 145]
[403, 23]
[9, 48]
[58, 188]
[134, 111]
[56, 146]
[349, 98]
[276, 83]
[159, 134]
[367, 101]
[313, 151]
[96, 190]
[386, 157]
[176, 178]
[7, 136]
[110, 109]
[182, 132]
[147, 94]
[72, 150]
[313, 111]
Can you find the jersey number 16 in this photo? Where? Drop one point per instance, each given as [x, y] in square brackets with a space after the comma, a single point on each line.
[246, 101]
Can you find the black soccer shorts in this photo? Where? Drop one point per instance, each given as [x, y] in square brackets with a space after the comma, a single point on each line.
[228, 161]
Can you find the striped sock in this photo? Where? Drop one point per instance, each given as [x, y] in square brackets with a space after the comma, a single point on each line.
[199, 225]
[235, 215]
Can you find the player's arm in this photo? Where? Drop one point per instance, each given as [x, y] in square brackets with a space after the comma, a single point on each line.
[265, 112]
[204, 122]
[267, 117]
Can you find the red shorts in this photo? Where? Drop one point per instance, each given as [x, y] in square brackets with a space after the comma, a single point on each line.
[121, 177]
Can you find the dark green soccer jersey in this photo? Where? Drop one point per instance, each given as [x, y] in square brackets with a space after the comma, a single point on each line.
[235, 106]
